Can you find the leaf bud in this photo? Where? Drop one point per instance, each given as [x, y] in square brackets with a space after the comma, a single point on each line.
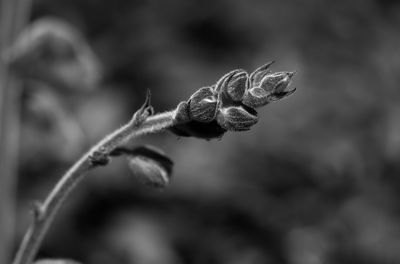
[150, 165]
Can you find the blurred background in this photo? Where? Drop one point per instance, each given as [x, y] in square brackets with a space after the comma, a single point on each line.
[315, 181]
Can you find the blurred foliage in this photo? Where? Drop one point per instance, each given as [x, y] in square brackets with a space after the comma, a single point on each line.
[314, 182]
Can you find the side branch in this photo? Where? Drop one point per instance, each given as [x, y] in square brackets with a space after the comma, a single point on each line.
[99, 155]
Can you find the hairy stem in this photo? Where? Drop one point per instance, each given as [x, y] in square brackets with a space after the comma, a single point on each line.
[97, 156]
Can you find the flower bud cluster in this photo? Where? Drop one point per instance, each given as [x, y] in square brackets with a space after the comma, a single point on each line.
[230, 104]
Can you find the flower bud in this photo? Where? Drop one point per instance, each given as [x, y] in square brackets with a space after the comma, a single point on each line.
[203, 105]
[280, 95]
[237, 86]
[278, 80]
[284, 83]
[224, 80]
[255, 97]
[151, 165]
[237, 118]
[182, 113]
[259, 73]
[281, 89]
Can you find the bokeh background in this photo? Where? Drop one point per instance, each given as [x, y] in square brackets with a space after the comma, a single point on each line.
[315, 181]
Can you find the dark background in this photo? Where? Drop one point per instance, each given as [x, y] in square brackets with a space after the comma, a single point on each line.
[315, 181]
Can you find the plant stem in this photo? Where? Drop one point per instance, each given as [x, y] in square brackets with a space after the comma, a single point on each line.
[13, 16]
[44, 213]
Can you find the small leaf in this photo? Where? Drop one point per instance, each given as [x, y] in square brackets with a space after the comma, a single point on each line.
[150, 164]
[144, 111]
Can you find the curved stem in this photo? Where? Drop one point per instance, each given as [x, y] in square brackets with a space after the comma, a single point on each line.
[97, 156]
